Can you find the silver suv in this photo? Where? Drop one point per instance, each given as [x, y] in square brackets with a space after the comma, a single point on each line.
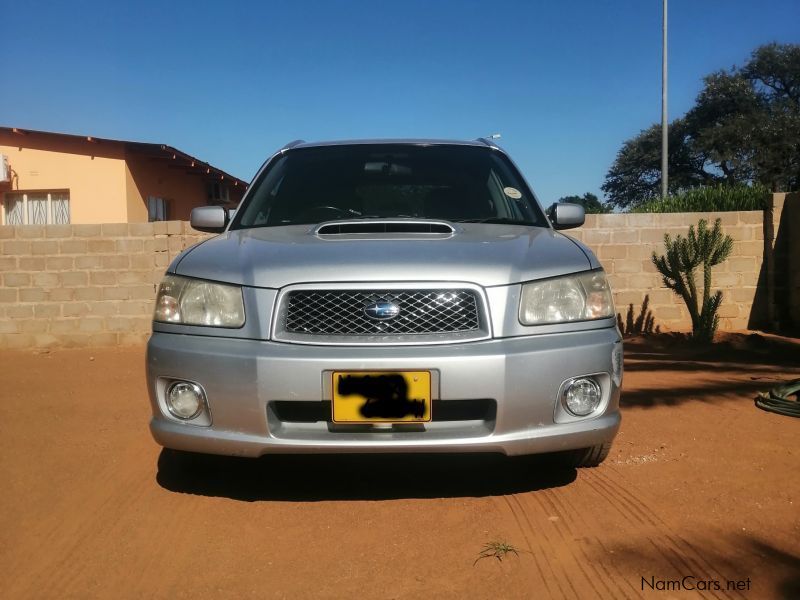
[386, 296]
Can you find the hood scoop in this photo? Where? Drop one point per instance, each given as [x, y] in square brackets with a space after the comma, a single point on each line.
[384, 226]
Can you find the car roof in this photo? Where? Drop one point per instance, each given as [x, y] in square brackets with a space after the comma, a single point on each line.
[481, 142]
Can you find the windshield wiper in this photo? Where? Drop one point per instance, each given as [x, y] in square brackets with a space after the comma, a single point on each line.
[287, 222]
[399, 216]
[494, 221]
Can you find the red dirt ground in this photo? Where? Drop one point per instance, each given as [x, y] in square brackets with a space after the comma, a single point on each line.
[700, 483]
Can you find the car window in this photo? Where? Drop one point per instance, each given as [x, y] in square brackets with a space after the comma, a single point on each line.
[450, 182]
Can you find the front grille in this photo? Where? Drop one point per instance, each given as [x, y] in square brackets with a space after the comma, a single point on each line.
[342, 312]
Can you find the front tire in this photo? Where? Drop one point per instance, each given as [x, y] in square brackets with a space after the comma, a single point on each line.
[181, 461]
[588, 457]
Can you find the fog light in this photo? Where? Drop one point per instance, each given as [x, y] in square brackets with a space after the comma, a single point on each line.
[582, 396]
[185, 399]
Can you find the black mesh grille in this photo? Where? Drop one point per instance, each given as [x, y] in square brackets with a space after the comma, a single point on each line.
[342, 312]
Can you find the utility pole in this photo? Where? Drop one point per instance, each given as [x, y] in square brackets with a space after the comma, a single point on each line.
[664, 125]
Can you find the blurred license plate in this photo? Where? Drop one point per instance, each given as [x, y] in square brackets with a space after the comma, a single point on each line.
[381, 396]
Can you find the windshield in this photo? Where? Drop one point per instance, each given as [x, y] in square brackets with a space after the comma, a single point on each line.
[449, 182]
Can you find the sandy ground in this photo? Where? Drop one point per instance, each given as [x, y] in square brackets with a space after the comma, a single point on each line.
[699, 484]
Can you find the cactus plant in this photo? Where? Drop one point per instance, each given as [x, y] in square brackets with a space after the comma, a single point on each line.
[641, 325]
[704, 247]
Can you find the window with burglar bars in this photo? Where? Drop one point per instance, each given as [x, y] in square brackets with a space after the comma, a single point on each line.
[36, 208]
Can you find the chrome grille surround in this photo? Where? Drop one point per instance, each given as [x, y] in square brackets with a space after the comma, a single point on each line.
[430, 313]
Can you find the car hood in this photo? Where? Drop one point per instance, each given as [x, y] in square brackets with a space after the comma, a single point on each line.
[488, 255]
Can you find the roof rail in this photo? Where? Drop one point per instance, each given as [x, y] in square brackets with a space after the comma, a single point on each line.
[489, 143]
[292, 144]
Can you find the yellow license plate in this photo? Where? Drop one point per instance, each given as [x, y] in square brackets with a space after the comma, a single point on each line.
[381, 396]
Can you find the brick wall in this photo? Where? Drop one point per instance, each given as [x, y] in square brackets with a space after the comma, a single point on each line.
[624, 244]
[93, 285]
[83, 285]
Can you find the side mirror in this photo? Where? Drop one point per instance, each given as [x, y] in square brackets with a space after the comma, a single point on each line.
[566, 215]
[211, 219]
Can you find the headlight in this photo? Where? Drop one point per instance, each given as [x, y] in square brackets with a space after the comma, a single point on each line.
[187, 301]
[579, 297]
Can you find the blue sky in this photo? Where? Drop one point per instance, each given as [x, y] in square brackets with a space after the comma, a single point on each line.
[564, 82]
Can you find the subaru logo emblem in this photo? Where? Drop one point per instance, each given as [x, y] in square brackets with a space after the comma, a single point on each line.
[381, 310]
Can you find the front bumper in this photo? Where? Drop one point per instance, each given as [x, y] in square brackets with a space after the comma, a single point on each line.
[245, 379]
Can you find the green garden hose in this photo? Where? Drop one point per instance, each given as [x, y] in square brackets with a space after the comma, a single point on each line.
[777, 399]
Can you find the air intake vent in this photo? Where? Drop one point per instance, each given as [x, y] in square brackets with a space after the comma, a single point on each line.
[382, 226]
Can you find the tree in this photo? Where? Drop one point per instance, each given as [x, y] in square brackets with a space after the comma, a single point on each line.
[775, 69]
[748, 119]
[744, 128]
[635, 175]
[774, 73]
[591, 204]
[724, 124]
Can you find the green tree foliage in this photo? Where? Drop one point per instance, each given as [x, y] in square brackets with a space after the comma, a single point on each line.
[704, 248]
[774, 72]
[635, 175]
[744, 128]
[724, 123]
[591, 204]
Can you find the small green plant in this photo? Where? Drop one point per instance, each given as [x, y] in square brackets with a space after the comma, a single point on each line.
[709, 199]
[497, 550]
[641, 325]
[704, 247]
